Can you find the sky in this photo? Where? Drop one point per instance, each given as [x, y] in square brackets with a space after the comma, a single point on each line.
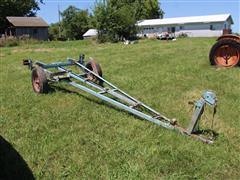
[172, 8]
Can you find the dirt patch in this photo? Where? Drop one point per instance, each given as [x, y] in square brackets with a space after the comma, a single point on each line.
[2, 55]
[38, 50]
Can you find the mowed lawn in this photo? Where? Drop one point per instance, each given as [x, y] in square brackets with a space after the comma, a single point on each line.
[64, 135]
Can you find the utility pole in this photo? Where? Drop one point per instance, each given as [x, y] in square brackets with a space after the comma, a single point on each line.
[59, 23]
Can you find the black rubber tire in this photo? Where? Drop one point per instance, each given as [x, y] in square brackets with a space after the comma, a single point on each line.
[39, 81]
[96, 68]
[220, 43]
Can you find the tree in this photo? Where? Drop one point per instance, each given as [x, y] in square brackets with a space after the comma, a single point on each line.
[17, 8]
[148, 9]
[123, 22]
[75, 22]
[116, 19]
[53, 31]
[143, 9]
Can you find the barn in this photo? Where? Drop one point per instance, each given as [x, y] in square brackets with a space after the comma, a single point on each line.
[194, 26]
[34, 27]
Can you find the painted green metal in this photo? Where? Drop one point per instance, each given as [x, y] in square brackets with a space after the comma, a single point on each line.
[54, 65]
[121, 99]
[209, 98]
[124, 107]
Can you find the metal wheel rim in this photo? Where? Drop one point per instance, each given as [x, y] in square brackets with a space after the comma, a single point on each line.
[227, 56]
[36, 84]
[90, 76]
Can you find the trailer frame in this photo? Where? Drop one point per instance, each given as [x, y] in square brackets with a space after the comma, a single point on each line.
[108, 92]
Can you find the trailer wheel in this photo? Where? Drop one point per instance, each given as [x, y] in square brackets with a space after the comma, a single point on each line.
[225, 53]
[39, 80]
[96, 68]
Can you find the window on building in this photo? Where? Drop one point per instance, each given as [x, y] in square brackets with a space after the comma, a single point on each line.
[35, 31]
[181, 27]
[148, 28]
[225, 26]
[211, 27]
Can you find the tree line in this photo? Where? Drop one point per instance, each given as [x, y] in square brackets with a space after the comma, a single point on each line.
[114, 19]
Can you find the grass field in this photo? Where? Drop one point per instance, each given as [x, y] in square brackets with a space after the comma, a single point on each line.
[64, 135]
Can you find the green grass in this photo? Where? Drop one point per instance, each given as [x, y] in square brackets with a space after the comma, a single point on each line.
[76, 136]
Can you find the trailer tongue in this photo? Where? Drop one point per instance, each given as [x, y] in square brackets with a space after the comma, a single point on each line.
[91, 81]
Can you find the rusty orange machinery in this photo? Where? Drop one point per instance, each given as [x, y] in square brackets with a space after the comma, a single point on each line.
[226, 51]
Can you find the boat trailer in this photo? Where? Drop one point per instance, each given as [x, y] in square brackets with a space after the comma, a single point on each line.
[91, 81]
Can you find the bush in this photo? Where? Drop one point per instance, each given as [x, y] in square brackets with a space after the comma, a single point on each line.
[9, 41]
[102, 38]
[24, 37]
[60, 39]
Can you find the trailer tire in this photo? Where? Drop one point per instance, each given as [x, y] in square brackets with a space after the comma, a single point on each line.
[39, 80]
[225, 53]
[96, 68]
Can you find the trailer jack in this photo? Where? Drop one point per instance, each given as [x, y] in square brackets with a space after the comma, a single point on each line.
[91, 81]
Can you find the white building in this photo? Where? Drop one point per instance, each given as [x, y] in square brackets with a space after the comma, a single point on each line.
[90, 33]
[194, 26]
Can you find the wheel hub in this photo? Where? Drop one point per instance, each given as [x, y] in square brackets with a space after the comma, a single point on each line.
[36, 84]
[227, 56]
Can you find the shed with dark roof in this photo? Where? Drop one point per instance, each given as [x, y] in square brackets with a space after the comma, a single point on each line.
[34, 27]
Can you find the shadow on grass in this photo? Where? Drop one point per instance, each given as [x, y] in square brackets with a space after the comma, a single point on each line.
[209, 133]
[54, 88]
[12, 165]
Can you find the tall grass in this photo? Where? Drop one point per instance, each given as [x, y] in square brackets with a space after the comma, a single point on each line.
[11, 41]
